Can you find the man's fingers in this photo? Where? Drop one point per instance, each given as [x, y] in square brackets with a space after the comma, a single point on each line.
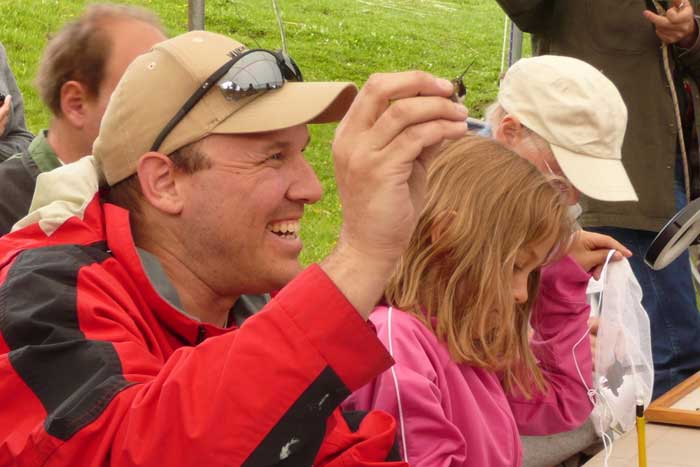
[5, 107]
[411, 142]
[656, 20]
[381, 89]
[412, 111]
[679, 17]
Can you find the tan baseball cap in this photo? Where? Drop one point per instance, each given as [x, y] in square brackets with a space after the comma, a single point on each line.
[157, 84]
[582, 116]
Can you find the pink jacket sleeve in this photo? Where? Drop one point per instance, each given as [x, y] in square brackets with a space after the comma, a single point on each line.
[430, 438]
[560, 342]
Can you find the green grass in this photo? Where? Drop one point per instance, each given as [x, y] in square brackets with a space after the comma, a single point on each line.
[330, 39]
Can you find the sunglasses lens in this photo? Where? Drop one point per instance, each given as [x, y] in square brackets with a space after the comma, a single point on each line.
[291, 71]
[252, 73]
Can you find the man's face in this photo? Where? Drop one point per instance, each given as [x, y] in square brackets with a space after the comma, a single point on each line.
[535, 150]
[241, 217]
[130, 38]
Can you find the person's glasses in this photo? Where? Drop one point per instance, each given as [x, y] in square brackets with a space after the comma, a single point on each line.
[253, 71]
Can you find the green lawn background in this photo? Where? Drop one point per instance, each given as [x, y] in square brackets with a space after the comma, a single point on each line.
[330, 39]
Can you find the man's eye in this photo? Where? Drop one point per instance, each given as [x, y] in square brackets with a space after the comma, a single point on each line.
[275, 157]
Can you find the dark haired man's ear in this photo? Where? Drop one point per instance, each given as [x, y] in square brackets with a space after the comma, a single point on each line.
[74, 97]
[441, 224]
[159, 184]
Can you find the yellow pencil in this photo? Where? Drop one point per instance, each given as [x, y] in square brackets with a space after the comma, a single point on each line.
[641, 437]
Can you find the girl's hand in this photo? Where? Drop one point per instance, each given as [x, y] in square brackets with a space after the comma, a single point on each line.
[593, 322]
[590, 250]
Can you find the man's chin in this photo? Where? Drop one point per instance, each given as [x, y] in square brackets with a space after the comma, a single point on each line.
[286, 273]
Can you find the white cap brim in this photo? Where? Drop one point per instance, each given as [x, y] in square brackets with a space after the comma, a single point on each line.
[598, 178]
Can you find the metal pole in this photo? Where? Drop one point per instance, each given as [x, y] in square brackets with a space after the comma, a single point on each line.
[196, 15]
[516, 44]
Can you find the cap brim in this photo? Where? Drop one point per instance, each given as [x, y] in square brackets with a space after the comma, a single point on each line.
[293, 104]
[602, 179]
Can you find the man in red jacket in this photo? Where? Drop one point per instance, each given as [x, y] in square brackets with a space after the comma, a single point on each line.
[116, 340]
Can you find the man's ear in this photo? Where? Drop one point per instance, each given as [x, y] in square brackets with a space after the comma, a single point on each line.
[510, 131]
[442, 222]
[159, 185]
[74, 97]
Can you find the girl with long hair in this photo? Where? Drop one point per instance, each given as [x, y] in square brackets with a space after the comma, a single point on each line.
[481, 356]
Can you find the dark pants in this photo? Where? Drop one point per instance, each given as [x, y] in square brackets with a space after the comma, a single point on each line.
[669, 299]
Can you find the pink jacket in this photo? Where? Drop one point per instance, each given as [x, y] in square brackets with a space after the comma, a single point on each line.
[460, 415]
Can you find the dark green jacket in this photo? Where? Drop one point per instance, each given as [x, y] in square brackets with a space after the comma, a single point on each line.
[614, 37]
[18, 179]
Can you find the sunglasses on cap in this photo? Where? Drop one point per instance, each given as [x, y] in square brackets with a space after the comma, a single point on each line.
[251, 72]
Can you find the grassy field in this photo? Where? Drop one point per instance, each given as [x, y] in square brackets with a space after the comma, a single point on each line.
[330, 39]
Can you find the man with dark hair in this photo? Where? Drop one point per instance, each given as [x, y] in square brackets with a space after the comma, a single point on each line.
[78, 71]
[14, 136]
[124, 352]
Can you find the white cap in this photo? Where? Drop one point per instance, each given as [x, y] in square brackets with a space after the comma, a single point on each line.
[582, 116]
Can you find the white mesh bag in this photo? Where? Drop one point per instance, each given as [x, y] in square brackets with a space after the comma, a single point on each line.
[624, 369]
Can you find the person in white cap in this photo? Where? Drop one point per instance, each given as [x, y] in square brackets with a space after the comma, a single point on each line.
[550, 109]
[650, 50]
[115, 322]
[569, 120]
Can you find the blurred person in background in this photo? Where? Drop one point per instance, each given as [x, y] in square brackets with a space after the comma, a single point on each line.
[79, 69]
[14, 136]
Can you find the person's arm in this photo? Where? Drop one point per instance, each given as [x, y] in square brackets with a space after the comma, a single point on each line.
[529, 15]
[561, 345]
[94, 384]
[409, 392]
[679, 27]
[14, 137]
[382, 149]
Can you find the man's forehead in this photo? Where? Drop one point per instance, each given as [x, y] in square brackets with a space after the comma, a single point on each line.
[266, 140]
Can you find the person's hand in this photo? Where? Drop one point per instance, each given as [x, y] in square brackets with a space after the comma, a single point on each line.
[5, 113]
[382, 149]
[677, 26]
[590, 250]
[593, 323]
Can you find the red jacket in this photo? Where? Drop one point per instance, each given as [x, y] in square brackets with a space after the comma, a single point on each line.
[96, 368]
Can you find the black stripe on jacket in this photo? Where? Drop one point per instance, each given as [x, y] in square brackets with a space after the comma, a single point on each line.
[73, 377]
[296, 439]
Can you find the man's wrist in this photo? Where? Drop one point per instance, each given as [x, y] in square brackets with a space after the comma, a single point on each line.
[360, 277]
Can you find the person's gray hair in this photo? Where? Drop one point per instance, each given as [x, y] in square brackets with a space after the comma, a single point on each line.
[494, 116]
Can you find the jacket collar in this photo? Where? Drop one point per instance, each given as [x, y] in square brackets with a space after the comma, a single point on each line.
[121, 243]
[41, 152]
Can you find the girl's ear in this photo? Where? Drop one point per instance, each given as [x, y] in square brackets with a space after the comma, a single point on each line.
[442, 222]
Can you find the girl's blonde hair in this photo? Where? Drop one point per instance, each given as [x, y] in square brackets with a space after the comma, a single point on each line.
[486, 203]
